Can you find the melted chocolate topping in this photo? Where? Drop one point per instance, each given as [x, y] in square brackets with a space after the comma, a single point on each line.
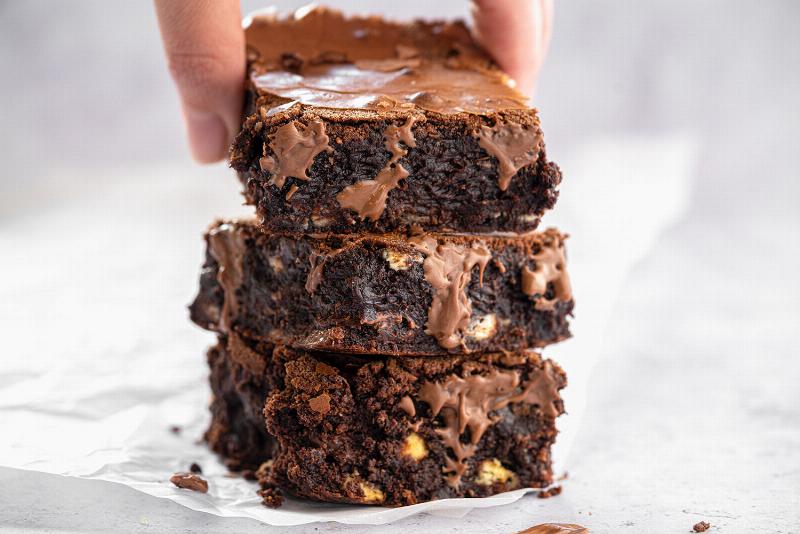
[467, 402]
[294, 146]
[368, 197]
[226, 244]
[513, 146]
[368, 63]
[550, 267]
[448, 268]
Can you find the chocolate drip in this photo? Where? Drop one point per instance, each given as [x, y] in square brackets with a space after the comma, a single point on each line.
[407, 405]
[315, 274]
[368, 197]
[513, 146]
[294, 146]
[225, 245]
[448, 268]
[550, 268]
[555, 528]
[468, 402]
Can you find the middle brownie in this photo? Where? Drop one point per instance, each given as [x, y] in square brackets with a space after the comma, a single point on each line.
[385, 294]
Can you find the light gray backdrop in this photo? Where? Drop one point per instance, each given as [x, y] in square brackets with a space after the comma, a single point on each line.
[712, 424]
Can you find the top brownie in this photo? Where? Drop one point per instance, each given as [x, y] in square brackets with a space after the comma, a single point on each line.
[359, 124]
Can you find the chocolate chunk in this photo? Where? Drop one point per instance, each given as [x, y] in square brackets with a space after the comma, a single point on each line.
[550, 270]
[368, 197]
[448, 269]
[514, 147]
[294, 147]
[189, 481]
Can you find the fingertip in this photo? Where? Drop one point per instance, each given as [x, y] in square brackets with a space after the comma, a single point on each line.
[516, 33]
[208, 136]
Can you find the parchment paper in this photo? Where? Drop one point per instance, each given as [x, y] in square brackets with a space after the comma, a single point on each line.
[100, 359]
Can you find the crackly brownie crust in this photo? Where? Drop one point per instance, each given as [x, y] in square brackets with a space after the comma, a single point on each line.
[387, 431]
[319, 148]
[385, 294]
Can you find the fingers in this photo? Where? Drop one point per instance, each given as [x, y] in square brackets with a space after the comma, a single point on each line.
[516, 33]
[205, 48]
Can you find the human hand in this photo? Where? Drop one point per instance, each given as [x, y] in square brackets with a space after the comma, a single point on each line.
[205, 48]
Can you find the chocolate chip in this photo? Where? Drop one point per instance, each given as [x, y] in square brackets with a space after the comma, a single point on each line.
[189, 481]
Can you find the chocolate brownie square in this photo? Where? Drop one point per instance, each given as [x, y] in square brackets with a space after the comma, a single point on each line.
[393, 431]
[399, 295]
[358, 124]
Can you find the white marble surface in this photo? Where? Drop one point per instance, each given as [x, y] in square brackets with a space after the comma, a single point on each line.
[695, 409]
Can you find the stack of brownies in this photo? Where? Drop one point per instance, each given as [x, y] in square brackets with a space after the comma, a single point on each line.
[376, 322]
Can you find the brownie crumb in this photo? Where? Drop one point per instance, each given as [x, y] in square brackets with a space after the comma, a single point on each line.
[189, 481]
[249, 474]
[175, 429]
[702, 526]
[195, 468]
[271, 497]
[555, 528]
[550, 492]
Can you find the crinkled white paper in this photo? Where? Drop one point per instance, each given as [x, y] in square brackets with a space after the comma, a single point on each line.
[100, 359]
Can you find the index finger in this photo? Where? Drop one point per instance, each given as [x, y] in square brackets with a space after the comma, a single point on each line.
[205, 48]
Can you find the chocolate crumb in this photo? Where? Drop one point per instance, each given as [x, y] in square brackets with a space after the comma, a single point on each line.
[702, 526]
[189, 481]
[555, 528]
[175, 429]
[550, 492]
[321, 404]
[195, 468]
[249, 474]
[271, 497]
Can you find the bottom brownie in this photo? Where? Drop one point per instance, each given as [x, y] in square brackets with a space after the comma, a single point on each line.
[385, 430]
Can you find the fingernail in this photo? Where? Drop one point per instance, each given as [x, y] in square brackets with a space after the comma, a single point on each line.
[208, 137]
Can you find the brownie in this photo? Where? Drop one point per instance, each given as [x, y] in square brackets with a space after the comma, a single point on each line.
[394, 431]
[239, 385]
[399, 295]
[359, 124]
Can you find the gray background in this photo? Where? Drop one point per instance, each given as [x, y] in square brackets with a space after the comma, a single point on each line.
[711, 424]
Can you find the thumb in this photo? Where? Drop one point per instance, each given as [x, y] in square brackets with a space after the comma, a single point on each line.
[204, 44]
[516, 33]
